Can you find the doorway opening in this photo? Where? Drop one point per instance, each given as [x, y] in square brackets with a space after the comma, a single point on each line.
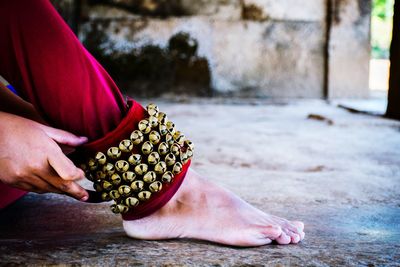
[381, 37]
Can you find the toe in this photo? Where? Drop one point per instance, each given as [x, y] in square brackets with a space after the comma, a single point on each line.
[283, 239]
[302, 234]
[272, 231]
[300, 228]
[299, 225]
[294, 238]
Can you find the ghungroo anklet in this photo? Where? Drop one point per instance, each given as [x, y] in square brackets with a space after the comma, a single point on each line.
[136, 168]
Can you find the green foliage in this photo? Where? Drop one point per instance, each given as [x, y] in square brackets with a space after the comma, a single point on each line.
[381, 28]
[383, 9]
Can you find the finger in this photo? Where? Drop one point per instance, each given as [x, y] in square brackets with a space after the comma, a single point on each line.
[28, 187]
[38, 190]
[63, 137]
[44, 186]
[39, 185]
[64, 167]
[24, 186]
[66, 149]
[67, 187]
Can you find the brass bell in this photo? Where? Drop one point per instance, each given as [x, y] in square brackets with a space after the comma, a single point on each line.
[153, 121]
[169, 139]
[147, 148]
[124, 190]
[163, 148]
[183, 156]
[114, 208]
[84, 167]
[122, 166]
[186, 156]
[170, 127]
[100, 158]
[162, 118]
[106, 185]
[131, 202]
[92, 164]
[163, 129]
[189, 152]
[114, 152]
[125, 145]
[115, 179]
[176, 149]
[109, 169]
[89, 176]
[155, 186]
[177, 168]
[167, 177]
[149, 177]
[154, 137]
[128, 176]
[144, 126]
[160, 167]
[170, 159]
[153, 158]
[152, 106]
[141, 169]
[114, 194]
[136, 137]
[100, 175]
[105, 196]
[179, 137]
[189, 144]
[144, 195]
[152, 109]
[97, 187]
[137, 185]
[122, 208]
[135, 159]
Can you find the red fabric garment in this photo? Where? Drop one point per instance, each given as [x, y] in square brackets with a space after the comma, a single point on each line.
[42, 58]
[8, 195]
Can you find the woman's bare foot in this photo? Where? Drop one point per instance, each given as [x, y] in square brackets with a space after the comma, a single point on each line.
[203, 210]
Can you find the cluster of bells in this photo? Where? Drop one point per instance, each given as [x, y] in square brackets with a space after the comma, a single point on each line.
[129, 178]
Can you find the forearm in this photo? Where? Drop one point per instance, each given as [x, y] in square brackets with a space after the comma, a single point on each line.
[11, 103]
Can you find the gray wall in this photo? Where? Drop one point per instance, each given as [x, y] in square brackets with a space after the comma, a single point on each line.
[262, 48]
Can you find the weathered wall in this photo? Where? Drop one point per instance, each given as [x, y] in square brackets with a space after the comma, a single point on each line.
[349, 49]
[263, 48]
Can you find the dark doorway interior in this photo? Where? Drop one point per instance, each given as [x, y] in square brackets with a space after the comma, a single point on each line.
[393, 109]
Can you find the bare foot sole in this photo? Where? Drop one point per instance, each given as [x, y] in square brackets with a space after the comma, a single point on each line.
[203, 210]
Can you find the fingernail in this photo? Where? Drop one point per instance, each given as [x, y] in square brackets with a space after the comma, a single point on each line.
[84, 198]
[83, 138]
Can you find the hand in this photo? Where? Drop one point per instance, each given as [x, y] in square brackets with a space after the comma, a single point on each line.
[32, 160]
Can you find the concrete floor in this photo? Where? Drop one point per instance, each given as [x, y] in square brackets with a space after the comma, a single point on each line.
[341, 178]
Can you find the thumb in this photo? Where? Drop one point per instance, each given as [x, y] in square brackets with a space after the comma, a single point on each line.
[64, 167]
[63, 137]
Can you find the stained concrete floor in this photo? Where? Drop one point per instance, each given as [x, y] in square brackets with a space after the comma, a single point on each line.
[341, 178]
